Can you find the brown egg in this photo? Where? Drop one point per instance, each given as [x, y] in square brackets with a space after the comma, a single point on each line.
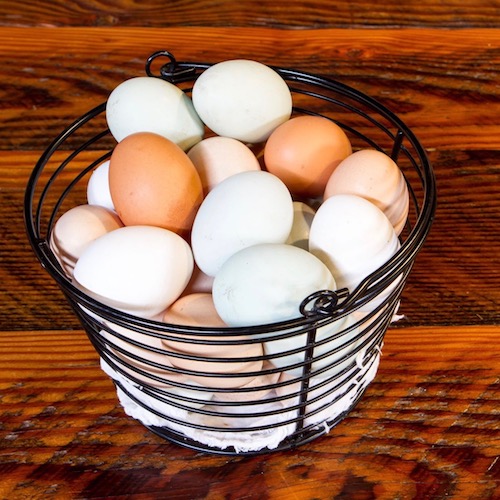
[153, 182]
[198, 310]
[304, 151]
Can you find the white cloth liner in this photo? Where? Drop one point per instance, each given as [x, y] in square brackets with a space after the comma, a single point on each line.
[253, 439]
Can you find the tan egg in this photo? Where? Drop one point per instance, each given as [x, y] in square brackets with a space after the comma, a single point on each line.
[78, 227]
[304, 151]
[153, 182]
[134, 359]
[198, 310]
[217, 158]
[199, 283]
[256, 390]
[373, 175]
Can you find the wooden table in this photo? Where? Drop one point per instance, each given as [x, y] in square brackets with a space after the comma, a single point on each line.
[429, 425]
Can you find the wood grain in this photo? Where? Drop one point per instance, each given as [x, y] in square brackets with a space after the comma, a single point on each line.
[445, 88]
[50, 77]
[426, 428]
[296, 14]
[455, 279]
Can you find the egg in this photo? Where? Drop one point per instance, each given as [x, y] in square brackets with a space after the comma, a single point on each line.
[255, 390]
[195, 309]
[242, 99]
[199, 282]
[153, 182]
[78, 227]
[141, 358]
[267, 283]
[338, 341]
[198, 310]
[242, 210]
[373, 175]
[353, 237]
[217, 158]
[98, 187]
[140, 270]
[303, 216]
[146, 104]
[135, 353]
[304, 151]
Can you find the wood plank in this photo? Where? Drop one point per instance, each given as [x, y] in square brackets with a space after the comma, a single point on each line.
[296, 15]
[426, 427]
[444, 87]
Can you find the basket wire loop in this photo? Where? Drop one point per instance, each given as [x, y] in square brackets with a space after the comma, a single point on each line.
[171, 71]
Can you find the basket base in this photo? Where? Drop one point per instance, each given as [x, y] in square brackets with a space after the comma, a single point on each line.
[295, 440]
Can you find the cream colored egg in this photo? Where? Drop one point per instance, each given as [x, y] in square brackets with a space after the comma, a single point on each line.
[78, 227]
[256, 390]
[303, 216]
[353, 237]
[373, 175]
[338, 341]
[141, 358]
[243, 210]
[196, 309]
[146, 104]
[217, 158]
[138, 355]
[98, 192]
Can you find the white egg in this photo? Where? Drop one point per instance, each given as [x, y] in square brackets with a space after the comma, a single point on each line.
[353, 237]
[147, 104]
[137, 269]
[243, 210]
[242, 99]
[337, 351]
[267, 283]
[302, 219]
[98, 187]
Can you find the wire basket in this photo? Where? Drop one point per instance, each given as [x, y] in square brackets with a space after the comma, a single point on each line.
[270, 405]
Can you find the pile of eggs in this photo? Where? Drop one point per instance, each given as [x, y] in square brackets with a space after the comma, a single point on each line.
[225, 209]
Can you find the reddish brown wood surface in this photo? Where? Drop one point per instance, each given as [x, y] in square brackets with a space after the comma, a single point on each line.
[293, 14]
[428, 426]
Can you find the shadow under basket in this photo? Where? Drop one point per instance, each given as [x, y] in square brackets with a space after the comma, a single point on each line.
[278, 399]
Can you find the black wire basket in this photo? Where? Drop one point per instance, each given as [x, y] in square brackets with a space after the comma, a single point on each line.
[271, 407]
